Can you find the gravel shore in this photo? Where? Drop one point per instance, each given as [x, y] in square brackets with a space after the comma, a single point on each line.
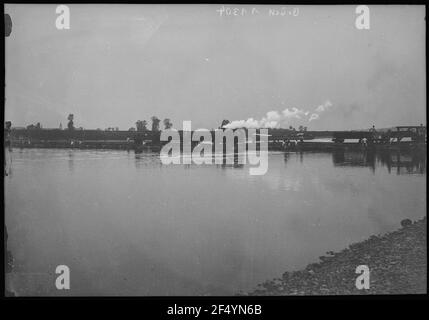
[397, 263]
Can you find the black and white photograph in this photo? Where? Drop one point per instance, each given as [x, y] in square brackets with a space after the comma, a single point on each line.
[214, 150]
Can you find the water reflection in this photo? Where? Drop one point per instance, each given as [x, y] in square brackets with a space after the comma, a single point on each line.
[403, 162]
[146, 159]
[71, 160]
[398, 162]
[145, 228]
[232, 161]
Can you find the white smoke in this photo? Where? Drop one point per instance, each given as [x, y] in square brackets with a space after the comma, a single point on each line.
[314, 116]
[324, 107]
[276, 119]
[294, 113]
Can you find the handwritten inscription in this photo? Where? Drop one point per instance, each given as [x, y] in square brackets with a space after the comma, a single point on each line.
[227, 11]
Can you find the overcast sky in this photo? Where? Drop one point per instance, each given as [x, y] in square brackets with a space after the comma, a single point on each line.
[121, 63]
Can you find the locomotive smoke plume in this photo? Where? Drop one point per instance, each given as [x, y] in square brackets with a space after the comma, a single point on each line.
[279, 119]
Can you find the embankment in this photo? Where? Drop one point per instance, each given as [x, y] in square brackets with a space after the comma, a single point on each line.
[397, 263]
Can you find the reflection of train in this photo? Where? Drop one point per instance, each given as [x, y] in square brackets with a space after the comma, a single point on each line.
[404, 162]
[353, 158]
[408, 163]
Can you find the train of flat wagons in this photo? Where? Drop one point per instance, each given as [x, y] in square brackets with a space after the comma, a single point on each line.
[397, 138]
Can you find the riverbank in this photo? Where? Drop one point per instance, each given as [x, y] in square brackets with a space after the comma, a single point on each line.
[397, 262]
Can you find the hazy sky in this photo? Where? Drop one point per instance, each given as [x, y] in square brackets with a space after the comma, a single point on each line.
[121, 63]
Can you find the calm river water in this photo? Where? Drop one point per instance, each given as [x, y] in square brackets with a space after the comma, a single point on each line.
[128, 225]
